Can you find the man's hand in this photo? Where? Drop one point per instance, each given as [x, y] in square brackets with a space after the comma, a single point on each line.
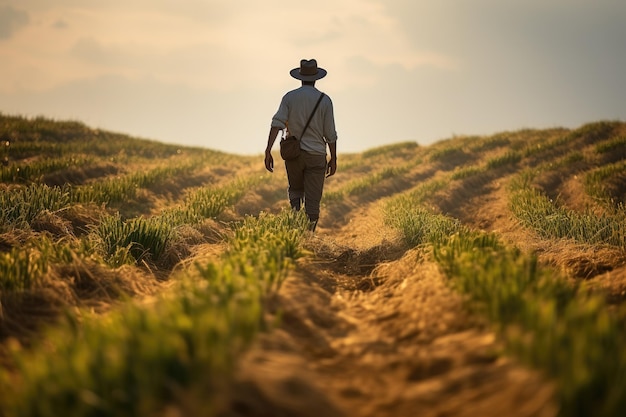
[331, 168]
[269, 161]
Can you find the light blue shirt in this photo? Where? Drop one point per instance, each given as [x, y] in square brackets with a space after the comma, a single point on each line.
[294, 110]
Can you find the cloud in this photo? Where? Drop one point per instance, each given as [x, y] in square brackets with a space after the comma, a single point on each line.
[11, 20]
[196, 64]
[212, 44]
[211, 72]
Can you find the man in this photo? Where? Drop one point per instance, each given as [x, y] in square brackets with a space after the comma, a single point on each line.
[307, 172]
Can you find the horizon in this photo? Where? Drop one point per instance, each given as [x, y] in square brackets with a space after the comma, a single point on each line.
[275, 148]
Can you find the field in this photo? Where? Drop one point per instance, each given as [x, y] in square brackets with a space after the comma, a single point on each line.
[478, 276]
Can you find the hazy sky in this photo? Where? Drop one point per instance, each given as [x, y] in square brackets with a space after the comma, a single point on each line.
[212, 72]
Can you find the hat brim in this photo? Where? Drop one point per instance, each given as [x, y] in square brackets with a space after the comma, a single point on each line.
[295, 73]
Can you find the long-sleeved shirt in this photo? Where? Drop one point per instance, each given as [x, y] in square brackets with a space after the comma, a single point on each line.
[294, 110]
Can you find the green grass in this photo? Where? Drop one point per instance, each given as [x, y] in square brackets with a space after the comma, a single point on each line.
[615, 144]
[21, 205]
[509, 158]
[140, 239]
[595, 131]
[40, 136]
[179, 350]
[561, 329]
[538, 212]
[23, 268]
[417, 225]
[489, 143]
[444, 153]
[595, 182]
[467, 172]
[548, 323]
[211, 201]
[33, 171]
[135, 239]
[20, 270]
[405, 149]
[365, 185]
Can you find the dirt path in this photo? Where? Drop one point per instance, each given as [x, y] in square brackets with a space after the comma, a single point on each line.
[370, 330]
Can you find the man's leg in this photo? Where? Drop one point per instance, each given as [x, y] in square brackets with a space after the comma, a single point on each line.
[314, 174]
[295, 177]
[296, 204]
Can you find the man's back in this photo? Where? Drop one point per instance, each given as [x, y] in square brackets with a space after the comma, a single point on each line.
[294, 111]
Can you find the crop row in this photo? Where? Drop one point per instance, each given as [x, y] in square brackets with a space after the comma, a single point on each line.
[32, 171]
[562, 329]
[115, 240]
[22, 268]
[139, 239]
[40, 137]
[538, 212]
[559, 142]
[365, 184]
[178, 351]
[596, 183]
[20, 205]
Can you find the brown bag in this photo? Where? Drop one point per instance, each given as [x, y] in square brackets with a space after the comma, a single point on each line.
[290, 146]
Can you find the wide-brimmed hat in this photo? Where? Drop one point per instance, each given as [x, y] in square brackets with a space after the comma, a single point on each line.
[308, 71]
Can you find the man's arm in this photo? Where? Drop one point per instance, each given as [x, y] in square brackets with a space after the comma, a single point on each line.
[332, 164]
[269, 159]
[330, 133]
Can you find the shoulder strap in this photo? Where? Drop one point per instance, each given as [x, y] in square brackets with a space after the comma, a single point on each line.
[312, 113]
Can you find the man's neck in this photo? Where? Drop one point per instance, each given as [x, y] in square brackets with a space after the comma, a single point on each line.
[309, 83]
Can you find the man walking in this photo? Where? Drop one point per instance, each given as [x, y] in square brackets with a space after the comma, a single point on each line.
[307, 172]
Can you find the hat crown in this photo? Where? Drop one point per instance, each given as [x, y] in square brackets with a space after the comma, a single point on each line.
[308, 67]
[308, 71]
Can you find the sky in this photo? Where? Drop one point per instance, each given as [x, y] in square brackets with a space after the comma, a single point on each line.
[211, 73]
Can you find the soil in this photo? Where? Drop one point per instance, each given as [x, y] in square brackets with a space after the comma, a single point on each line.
[369, 328]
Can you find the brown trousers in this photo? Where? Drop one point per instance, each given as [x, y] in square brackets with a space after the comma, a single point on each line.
[306, 176]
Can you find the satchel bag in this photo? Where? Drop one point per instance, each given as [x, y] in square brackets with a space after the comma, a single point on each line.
[290, 146]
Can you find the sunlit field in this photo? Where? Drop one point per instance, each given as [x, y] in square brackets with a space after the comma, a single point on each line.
[475, 276]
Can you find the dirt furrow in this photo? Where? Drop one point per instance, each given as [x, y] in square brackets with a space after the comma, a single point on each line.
[390, 339]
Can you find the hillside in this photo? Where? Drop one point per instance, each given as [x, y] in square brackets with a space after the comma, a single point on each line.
[478, 276]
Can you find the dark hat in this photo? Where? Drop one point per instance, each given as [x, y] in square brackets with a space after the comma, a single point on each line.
[308, 71]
